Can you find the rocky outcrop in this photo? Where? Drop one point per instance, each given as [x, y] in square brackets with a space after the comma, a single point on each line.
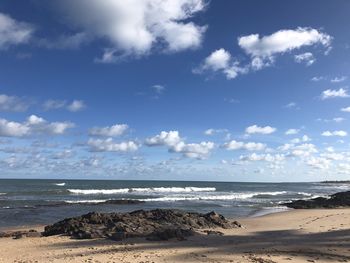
[158, 224]
[341, 199]
[20, 234]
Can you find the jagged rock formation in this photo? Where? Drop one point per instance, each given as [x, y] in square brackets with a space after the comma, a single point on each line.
[158, 224]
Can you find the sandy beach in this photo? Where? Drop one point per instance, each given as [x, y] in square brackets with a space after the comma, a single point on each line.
[320, 235]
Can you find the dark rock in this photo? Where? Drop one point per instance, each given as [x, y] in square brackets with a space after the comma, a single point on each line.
[158, 224]
[20, 234]
[212, 232]
[341, 199]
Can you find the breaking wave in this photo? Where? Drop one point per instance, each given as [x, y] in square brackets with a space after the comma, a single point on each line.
[142, 190]
[60, 184]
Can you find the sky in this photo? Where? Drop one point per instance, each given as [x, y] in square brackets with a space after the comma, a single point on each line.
[241, 90]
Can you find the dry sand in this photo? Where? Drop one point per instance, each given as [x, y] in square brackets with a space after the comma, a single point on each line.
[294, 236]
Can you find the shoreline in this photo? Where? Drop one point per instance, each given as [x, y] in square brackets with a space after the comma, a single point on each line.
[258, 213]
[296, 235]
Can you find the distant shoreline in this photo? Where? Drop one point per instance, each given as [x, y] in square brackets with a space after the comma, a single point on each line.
[336, 182]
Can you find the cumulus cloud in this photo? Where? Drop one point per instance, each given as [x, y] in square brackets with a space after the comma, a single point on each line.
[32, 126]
[318, 162]
[108, 145]
[250, 146]
[282, 41]
[262, 130]
[302, 150]
[13, 32]
[221, 61]
[264, 50]
[13, 103]
[135, 27]
[346, 109]
[263, 157]
[332, 93]
[292, 131]
[175, 143]
[304, 138]
[334, 133]
[307, 58]
[109, 131]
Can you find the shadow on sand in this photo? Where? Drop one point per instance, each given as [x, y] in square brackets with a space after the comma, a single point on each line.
[327, 246]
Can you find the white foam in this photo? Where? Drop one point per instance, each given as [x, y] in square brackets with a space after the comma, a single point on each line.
[60, 184]
[85, 201]
[236, 196]
[98, 191]
[143, 190]
[2, 193]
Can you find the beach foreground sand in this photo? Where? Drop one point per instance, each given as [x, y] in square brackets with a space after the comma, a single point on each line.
[321, 235]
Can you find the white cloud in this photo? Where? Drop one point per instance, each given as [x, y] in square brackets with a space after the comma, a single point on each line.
[137, 27]
[333, 156]
[347, 109]
[282, 41]
[175, 143]
[262, 130]
[318, 162]
[13, 32]
[158, 88]
[317, 78]
[210, 132]
[250, 146]
[74, 106]
[307, 58]
[263, 157]
[335, 119]
[33, 125]
[303, 150]
[339, 79]
[170, 138]
[109, 131]
[329, 93]
[108, 145]
[334, 133]
[305, 138]
[13, 129]
[292, 131]
[338, 119]
[13, 103]
[291, 105]
[264, 50]
[221, 60]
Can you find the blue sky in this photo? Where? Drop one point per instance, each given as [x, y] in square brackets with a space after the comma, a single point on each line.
[175, 89]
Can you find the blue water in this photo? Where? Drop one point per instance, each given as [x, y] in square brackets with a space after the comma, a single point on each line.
[32, 202]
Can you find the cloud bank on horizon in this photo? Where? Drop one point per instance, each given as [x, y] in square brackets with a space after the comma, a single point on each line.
[173, 89]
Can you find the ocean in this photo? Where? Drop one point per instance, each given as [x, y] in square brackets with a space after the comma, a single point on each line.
[37, 202]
